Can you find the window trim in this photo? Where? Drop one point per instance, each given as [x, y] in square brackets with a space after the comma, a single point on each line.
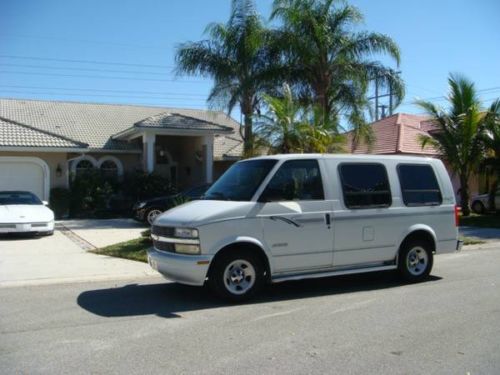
[427, 190]
[341, 179]
[301, 200]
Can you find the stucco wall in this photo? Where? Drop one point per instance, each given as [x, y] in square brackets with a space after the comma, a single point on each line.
[53, 159]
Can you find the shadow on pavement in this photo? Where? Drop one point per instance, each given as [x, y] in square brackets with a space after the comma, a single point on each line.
[169, 299]
[20, 236]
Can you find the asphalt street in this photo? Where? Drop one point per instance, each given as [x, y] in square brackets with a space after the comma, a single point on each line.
[367, 324]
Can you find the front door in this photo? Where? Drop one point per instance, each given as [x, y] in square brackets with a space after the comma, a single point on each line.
[296, 218]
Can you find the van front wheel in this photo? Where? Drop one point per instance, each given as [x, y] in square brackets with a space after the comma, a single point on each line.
[415, 261]
[236, 275]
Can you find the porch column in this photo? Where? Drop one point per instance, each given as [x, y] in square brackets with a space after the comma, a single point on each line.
[208, 157]
[148, 141]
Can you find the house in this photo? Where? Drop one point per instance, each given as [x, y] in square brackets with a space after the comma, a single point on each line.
[44, 143]
[399, 134]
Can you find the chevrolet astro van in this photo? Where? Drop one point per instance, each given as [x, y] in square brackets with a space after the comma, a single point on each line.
[289, 217]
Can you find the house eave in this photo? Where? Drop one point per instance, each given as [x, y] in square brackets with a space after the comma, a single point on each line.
[137, 131]
[65, 149]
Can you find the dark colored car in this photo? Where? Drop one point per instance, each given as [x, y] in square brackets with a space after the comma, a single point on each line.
[148, 209]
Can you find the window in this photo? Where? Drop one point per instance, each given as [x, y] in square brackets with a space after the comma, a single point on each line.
[83, 166]
[109, 169]
[365, 185]
[419, 185]
[240, 182]
[295, 180]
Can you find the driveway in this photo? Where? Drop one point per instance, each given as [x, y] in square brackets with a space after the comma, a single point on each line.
[100, 233]
[59, 258]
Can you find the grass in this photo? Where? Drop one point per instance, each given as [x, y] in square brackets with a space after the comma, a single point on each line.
[134, 249]
[471, 241]
[482, 221]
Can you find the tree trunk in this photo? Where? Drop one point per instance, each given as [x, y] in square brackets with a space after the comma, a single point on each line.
[248, 141]
[464, 195]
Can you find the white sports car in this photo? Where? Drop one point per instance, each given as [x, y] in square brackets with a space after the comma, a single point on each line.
[23, 212]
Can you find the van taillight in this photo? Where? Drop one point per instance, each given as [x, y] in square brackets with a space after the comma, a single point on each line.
[456, 215]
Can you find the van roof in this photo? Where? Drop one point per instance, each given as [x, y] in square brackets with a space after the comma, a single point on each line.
[343, 156]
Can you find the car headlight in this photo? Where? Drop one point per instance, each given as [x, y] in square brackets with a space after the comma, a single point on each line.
[186, 233]
[141, 204]
[187, 249]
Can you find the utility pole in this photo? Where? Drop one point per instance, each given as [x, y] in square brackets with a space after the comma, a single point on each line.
[378, 96]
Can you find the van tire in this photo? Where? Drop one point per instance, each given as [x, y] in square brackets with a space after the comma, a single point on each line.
[236, 275]
[415, 260]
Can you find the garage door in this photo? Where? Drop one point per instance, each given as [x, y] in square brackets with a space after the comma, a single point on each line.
[23, 173]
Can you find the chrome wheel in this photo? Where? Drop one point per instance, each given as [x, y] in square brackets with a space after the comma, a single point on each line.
[417, 261]
[152, 215]
[239, 276]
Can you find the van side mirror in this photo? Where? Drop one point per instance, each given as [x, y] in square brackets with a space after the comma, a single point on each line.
[45, 203]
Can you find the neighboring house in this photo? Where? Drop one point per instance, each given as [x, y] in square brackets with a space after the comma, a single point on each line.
[399, 135]
[44, 143]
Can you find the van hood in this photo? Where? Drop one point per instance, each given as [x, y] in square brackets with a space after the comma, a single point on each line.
[200, 212]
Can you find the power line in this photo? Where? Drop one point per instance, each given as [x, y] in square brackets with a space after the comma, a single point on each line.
[81, 69]
[83, 61]
[98, 77]
[101, 95]
[103, 90]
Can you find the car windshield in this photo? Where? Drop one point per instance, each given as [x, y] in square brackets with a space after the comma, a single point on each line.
[18, 197]
[240, 182]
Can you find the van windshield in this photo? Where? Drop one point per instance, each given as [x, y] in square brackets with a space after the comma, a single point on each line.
[240, 182]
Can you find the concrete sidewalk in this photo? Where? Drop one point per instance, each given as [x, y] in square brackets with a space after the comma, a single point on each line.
[57, 259]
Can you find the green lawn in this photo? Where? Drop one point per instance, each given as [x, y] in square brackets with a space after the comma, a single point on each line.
[133, 249]
[471, 241]
[483, 221]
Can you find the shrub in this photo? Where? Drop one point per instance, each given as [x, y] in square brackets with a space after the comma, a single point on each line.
[59, 202]
[143, 186]
[90, 194]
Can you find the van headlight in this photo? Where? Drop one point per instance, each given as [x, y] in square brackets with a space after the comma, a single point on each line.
[186, 233]
[187, 249]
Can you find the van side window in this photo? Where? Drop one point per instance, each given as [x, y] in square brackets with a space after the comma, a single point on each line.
[419, 185]
[295, 180]
[365, 185]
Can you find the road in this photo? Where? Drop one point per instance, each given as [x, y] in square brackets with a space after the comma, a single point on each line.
[370, 324]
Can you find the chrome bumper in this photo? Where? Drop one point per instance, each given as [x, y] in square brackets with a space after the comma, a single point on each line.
[27, 227]
[185, 269]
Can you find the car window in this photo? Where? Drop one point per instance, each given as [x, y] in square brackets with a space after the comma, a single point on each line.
[295, 180]
[195, 192]
[18, 197]
[419, 185]
[365, 185]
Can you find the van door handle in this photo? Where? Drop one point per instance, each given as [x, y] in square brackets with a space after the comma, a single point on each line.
[328, 220]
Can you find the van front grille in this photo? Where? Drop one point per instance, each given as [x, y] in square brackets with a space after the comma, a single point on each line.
[163, 231]
[164, 246]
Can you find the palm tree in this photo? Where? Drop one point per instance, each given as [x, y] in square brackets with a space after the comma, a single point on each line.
[491, 140]
[329, 64]
[290, 127]
[237, 55]
[460, 132]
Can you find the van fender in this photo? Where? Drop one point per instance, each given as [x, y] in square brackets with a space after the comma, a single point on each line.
[414, 228]
[232, 240]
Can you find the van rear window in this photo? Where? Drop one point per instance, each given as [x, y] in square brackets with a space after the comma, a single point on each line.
[419, 185]
[365, 185]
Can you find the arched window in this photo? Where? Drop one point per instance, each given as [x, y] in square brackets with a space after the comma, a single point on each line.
[83, 166]
[109, 169]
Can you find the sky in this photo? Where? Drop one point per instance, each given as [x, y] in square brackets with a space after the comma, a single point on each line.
[122, 51]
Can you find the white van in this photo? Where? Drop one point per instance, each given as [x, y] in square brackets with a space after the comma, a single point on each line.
[289, 217]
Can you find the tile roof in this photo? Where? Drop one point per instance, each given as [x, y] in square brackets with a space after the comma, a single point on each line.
[169, 120]
[227, 147]
[94, 124]
[14, 134]
[398, 134]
